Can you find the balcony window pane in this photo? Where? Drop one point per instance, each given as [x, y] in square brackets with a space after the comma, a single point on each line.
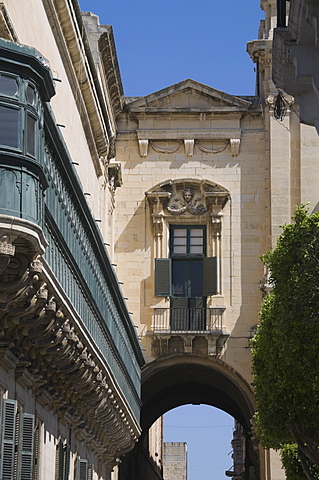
[31, 135]
[180, 232]
[197, 241]
[30, 95]
[196, 249]
[180, 249]
[9, 127]
[180, 241]
[196, 232]
[8, 85]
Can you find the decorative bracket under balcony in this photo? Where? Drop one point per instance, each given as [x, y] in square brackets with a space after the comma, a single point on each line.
[188, 330]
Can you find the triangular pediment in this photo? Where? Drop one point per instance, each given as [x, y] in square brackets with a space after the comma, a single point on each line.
[187, 94]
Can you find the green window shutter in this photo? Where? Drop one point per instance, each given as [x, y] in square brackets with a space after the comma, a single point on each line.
[26, 446]
[36, 456]
[162, 277]
[8, 433]
[67, 452]
[83, 469]
[210, 276]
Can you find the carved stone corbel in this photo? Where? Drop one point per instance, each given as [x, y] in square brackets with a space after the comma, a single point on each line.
[7, 250]
[189, 147]
[114, 173]
[234, 146]
[143, 147]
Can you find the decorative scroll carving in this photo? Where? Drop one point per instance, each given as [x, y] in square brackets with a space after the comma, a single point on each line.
[114, 175]
[6, 251]
[182, 197]
[211, 150]
[217, 224]
[112, 150]
[157, 201]
[164, 150]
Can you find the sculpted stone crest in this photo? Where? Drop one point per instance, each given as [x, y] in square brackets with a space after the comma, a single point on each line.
[187, 202]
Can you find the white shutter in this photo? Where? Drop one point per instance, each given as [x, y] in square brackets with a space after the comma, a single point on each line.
[9, 415]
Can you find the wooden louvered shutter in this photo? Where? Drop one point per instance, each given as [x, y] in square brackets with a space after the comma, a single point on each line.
[66, 470]
[26, 446]
[162, 277]
[83, 469]
[8, 434]
[90, 471]
[210, 276]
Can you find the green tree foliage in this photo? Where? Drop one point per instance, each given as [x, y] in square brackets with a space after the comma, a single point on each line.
[286, 345]
[292, 465]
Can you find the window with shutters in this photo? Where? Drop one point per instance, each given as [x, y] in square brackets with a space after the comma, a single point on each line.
[17, 442]
[62, 460]
[187, 277]
[83, 469]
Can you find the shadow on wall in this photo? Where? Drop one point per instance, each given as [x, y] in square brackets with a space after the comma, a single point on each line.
[135, 236]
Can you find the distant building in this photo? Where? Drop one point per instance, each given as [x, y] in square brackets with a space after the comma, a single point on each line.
[175, 461]
[238, 445]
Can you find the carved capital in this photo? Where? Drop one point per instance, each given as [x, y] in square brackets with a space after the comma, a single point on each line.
[217, 224]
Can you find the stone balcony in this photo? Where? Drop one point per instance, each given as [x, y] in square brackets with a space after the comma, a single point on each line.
[188, 330]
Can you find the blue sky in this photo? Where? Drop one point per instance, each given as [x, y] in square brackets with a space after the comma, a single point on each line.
[160, 43]
[207, 432]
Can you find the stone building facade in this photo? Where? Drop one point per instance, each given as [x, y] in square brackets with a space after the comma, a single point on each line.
[70, 360]
[170, 198]
[209, 178]
[175, 461]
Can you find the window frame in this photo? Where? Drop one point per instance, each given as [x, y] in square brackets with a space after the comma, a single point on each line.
[20, 102]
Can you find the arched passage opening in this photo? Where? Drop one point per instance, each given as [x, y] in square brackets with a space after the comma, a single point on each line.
[178, 380]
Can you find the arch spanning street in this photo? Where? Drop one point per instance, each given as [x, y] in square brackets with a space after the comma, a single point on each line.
[180, 379]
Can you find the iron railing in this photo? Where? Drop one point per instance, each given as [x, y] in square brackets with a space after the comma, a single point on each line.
[168, 320]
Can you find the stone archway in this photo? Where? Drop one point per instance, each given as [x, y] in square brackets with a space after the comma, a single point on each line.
[180, 379]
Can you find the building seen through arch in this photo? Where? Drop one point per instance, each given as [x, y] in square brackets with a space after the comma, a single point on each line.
[130, 236]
